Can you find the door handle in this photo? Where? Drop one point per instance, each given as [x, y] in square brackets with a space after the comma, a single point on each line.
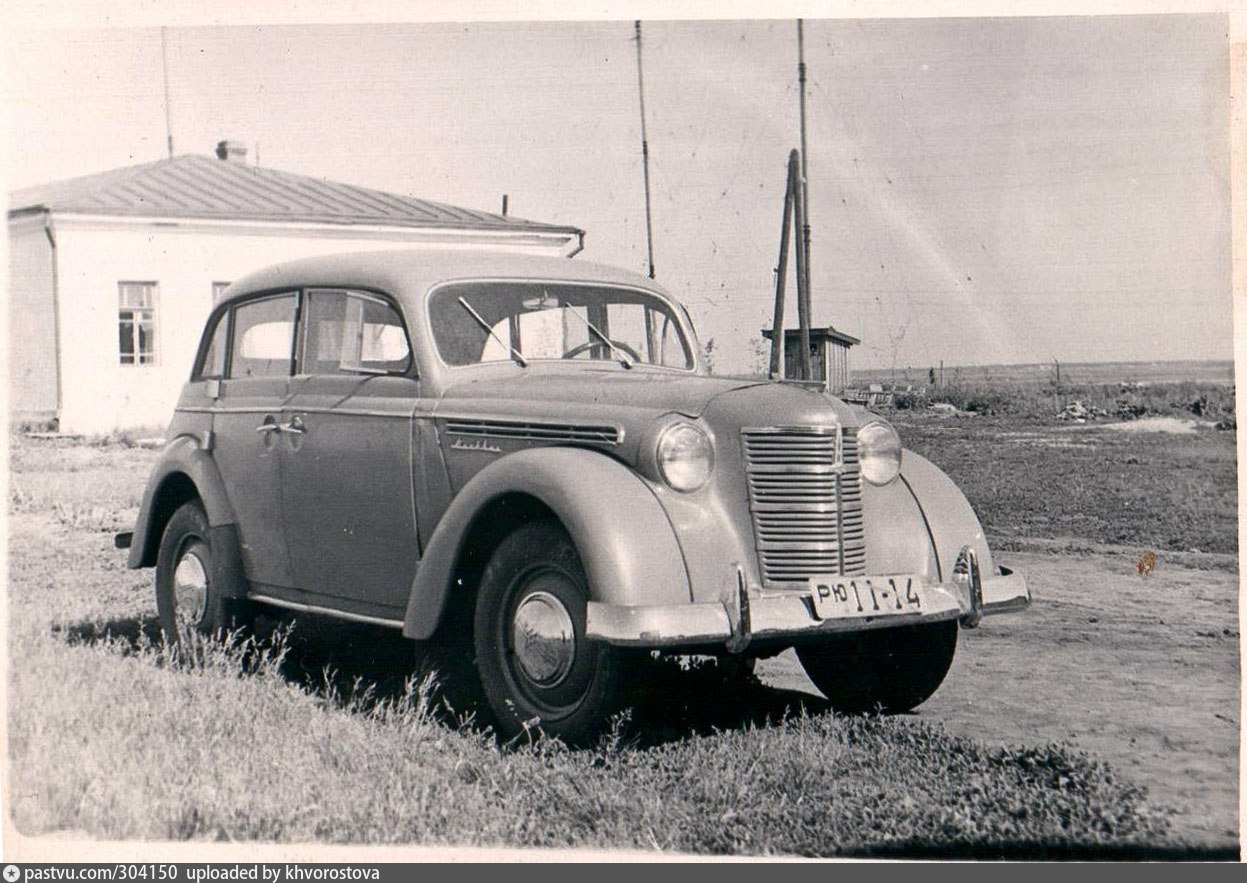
[295, 426]
[268, 427]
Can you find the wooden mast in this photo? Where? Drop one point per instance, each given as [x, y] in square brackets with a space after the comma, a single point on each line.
[649, 227]
[781, 271]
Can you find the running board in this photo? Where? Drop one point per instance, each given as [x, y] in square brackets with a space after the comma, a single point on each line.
[325, 611]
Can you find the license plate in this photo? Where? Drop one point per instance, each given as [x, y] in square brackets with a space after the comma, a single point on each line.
[837, 597]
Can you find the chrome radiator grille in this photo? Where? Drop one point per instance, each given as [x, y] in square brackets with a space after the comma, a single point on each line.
[805, 497]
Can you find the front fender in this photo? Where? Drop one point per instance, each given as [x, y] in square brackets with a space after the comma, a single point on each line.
[184, 456]
[623, 535]
[950, 520]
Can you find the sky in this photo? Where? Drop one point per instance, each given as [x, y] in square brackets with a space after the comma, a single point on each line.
[982, 190]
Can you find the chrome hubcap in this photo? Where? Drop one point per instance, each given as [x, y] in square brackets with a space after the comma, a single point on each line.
[190, 587]
[544, 638]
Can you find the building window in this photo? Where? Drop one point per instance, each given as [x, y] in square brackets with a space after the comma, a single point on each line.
[218, 291]
[136, 322]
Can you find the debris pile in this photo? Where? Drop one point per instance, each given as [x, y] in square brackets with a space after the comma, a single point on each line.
[1128, 410]
[1221, 413]
[1077, 412]
[945, 409]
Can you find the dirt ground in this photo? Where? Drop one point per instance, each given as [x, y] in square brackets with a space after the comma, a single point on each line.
[1140, 672]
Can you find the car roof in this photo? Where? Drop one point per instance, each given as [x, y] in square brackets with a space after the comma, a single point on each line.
[409, 273]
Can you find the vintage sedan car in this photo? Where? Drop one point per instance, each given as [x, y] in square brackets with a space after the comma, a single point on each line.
[524, 461]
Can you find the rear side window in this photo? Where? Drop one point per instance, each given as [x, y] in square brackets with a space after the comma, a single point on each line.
[349, 332]
[213, 363]
[263, 338]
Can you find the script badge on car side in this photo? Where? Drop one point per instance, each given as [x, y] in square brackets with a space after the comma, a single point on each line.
[841, 596]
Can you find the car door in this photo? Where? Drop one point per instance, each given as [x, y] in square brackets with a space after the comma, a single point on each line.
[247, 434]
[347, 474]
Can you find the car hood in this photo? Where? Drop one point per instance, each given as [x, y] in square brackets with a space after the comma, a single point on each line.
[563, 391]
[779, 404]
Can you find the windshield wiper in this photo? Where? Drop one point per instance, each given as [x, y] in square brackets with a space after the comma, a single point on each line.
[523, 363]
[619, 354]
[364, 369]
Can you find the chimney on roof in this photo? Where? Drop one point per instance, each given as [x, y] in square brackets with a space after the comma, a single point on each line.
[231, 151]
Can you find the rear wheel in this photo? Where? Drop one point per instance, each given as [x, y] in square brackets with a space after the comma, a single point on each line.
[186, 597]
[892, 670]
[536, 665]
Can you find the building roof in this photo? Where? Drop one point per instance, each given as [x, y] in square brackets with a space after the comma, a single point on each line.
[202, 187]
[826, 332]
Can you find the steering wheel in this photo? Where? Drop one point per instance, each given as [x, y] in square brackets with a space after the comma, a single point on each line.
[592, 344]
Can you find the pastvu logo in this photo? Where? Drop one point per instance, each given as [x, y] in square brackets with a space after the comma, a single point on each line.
[11, 873]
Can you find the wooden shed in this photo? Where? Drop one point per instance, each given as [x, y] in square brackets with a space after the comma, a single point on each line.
[829, 355]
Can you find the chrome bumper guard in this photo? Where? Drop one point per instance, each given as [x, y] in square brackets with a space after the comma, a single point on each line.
[754, 614]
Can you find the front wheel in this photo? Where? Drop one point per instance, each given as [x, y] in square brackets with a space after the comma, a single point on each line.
[536, 665]
[891, 670]
[186, 596]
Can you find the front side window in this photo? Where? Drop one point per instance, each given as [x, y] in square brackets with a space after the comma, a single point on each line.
[476, 322]
[263, 338]
[136, 322]
[348, 332]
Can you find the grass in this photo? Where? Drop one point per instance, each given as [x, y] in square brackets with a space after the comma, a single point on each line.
[129, 741]
[1152, 490]
[92, 486]
[320, 733]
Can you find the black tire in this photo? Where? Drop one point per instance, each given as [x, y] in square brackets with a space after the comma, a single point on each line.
[186, 543]
[569, 687]
[891, 670]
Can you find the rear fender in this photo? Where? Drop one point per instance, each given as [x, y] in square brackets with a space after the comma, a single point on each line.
[621, 531]
[183, 459]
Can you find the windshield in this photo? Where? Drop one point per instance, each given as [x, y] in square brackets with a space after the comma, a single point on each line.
[476, 322]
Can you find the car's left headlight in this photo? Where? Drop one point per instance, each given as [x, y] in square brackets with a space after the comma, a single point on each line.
[879, 452]
[685, 457]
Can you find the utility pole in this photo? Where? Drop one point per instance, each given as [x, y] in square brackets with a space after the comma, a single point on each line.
[803, 219]
[649, 226]
[803, 286]
[164, 64]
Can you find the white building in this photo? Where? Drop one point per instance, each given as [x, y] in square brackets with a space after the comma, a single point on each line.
[112, 275]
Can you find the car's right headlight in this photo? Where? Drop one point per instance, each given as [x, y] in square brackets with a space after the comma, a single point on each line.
[879, 452]
[685, 457]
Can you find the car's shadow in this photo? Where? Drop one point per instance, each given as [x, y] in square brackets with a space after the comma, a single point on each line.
[674, 698]
[361, 666]
[128, 631]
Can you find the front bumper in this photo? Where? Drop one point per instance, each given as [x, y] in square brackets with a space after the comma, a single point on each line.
[753, 614]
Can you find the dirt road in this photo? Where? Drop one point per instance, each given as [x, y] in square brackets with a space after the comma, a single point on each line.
[1141, 672]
